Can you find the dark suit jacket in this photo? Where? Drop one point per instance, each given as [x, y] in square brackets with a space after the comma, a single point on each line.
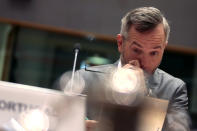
[162, 84]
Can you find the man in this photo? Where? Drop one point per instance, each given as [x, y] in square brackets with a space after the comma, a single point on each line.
[143, 37]
[142, 40]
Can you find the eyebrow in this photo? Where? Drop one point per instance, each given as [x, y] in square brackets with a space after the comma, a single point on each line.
[156, 47]
[135, 43]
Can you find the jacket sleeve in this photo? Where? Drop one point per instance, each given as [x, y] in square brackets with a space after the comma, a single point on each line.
[177, 118]
[180, 99]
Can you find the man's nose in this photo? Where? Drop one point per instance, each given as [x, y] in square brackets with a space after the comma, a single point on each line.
[143, 60]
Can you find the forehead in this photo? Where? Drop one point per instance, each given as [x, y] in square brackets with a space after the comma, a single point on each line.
[151, 37]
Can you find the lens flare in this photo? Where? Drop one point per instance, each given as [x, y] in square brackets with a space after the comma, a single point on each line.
[75, 85]
[125, 81]
[34, 120]
[128, 86]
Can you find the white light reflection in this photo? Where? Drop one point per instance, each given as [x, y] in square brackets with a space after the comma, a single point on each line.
[128, 86]
[34, 120]
[125, 81]
[75, 86]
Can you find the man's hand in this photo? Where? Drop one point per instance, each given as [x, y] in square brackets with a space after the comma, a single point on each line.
[90, 125]
[132, 64]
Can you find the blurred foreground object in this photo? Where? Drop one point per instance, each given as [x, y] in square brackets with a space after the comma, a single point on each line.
[147, 116]
[124, 105]
[28, 108]
[118, 100]
[128, 86]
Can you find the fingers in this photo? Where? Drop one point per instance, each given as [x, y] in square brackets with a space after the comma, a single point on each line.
[91, 124]
[133, 64]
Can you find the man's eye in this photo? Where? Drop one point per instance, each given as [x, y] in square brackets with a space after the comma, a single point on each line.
[154, 53]
[136, 51]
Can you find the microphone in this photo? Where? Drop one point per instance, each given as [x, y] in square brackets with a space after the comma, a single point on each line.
[77, 47]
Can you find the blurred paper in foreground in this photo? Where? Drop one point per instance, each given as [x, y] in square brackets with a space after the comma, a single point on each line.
[152, 114]
[149, 115]
[31, 108]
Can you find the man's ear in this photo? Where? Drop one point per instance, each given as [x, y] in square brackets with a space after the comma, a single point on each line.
[119, 39]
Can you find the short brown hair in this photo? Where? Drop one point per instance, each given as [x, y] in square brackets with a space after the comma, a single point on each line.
[144, 19]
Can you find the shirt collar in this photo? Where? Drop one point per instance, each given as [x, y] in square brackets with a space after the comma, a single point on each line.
[119, 64]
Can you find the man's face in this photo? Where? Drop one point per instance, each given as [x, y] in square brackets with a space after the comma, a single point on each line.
[146, 47]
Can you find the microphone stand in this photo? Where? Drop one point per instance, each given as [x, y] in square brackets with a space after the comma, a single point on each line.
[76, 49]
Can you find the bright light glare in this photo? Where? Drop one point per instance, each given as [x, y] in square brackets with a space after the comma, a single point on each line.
[128, 86]
[75, 86]
[125, 80]
[35, 120]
